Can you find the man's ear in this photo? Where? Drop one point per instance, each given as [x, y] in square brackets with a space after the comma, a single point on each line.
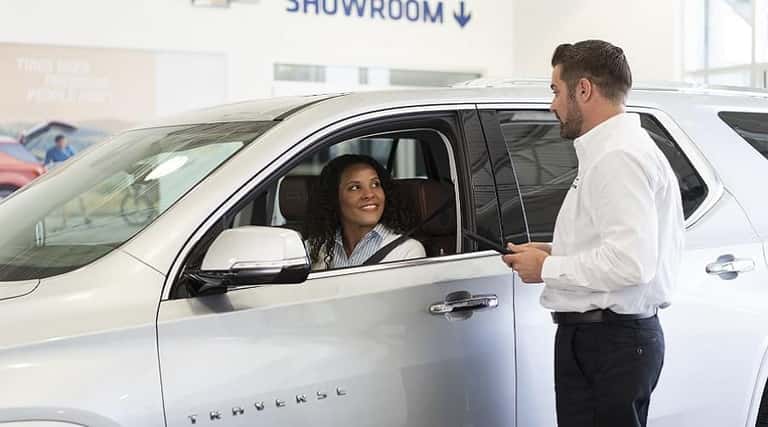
[584, 90]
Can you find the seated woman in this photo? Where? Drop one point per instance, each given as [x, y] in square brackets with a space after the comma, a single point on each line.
[355, 212]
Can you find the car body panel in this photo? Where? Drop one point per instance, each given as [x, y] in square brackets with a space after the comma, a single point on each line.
[369, 334]
[84, 351]
[16, 172]
[10, 290]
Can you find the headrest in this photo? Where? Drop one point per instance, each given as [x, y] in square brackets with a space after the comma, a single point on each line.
[428, 196]
[293, 194]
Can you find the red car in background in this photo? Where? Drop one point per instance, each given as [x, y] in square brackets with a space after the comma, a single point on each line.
[17, 166]
[21, 160]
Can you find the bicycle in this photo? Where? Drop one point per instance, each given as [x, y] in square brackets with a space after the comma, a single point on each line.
[137, 208]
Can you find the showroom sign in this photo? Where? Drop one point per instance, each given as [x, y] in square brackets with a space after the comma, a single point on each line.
[415, 11]
[42, 83]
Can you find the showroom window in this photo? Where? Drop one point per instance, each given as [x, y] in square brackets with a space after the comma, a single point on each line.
[299, 73]
[546, 165]
[304, 79]
[726, 42]
[421, 78]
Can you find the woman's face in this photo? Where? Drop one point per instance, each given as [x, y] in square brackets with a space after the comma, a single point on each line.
[361, 198]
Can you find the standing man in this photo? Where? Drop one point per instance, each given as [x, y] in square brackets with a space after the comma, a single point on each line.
[616, 247]
[60, 152]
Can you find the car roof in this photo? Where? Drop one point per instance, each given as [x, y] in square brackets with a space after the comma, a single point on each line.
[268, 109]
[482, 91]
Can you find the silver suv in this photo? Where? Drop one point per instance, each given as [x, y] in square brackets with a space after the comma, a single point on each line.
[159, 280]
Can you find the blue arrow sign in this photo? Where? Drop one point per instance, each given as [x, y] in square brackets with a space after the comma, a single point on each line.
[462, 17]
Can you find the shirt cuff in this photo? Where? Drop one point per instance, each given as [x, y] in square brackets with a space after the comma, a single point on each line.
[552, 271]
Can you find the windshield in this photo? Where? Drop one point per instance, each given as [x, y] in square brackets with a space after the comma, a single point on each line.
[87, 207]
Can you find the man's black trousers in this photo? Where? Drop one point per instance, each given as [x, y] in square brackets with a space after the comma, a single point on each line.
[605, 372]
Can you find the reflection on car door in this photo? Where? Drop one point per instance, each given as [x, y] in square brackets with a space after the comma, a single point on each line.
[367, 346]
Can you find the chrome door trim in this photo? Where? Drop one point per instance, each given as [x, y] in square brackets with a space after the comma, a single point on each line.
[287, 156]
[698, 160]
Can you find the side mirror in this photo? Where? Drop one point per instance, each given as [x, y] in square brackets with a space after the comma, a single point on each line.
[252, 255]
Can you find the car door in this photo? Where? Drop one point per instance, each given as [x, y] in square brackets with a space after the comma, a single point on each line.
[364, 346]
[714, 345]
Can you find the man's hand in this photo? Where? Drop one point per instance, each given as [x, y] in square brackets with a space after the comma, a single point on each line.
[527, 260]
[546, 247]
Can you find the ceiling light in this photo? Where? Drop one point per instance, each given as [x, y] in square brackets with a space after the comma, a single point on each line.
[210, 3]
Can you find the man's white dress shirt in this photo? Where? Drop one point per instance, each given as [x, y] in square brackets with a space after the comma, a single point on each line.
[619, 235]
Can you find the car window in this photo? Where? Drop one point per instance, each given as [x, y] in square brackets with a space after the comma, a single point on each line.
[17, 151]
[288, 203]
[94, 203]
[753, 127]
[546, 164]
[401, 153]
[693, 190]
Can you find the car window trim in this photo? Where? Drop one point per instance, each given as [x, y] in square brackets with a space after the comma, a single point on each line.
[322, 274]
[408, 263]
[290, 154]
[700, 163]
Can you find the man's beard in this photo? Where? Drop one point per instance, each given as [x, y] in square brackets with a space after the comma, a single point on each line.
[574, 121]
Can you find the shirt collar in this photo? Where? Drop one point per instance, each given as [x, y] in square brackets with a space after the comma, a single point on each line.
[592, 144]
[380, 230]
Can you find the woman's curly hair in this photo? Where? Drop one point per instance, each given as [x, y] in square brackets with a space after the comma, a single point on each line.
[323, 217]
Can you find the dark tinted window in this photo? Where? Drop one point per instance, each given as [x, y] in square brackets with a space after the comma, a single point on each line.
[692, 187]
[546, 164]
[17, 151]
[753, 127]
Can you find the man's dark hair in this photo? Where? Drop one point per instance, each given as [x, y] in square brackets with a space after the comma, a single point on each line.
[598, 61]
[58, 138]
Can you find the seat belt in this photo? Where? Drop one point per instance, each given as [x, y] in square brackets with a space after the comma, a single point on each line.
[379, 255]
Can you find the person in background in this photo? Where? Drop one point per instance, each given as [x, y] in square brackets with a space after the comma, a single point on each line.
[60, 152]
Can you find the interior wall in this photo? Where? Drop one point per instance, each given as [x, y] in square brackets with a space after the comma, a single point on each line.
[503, 38]
[255, 36]
[650, 32]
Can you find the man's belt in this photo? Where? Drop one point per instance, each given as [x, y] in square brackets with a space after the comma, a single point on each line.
[596, 316]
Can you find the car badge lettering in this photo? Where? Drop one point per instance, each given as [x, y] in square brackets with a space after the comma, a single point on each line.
[261, 406]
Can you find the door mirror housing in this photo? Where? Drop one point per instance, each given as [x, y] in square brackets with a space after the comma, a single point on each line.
[248, 256]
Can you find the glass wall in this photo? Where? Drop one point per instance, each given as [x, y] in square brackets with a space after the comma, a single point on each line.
[726, 42]
[302, 79]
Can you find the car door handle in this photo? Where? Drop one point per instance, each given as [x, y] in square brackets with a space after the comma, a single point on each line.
[464, 301]
[728, 267]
